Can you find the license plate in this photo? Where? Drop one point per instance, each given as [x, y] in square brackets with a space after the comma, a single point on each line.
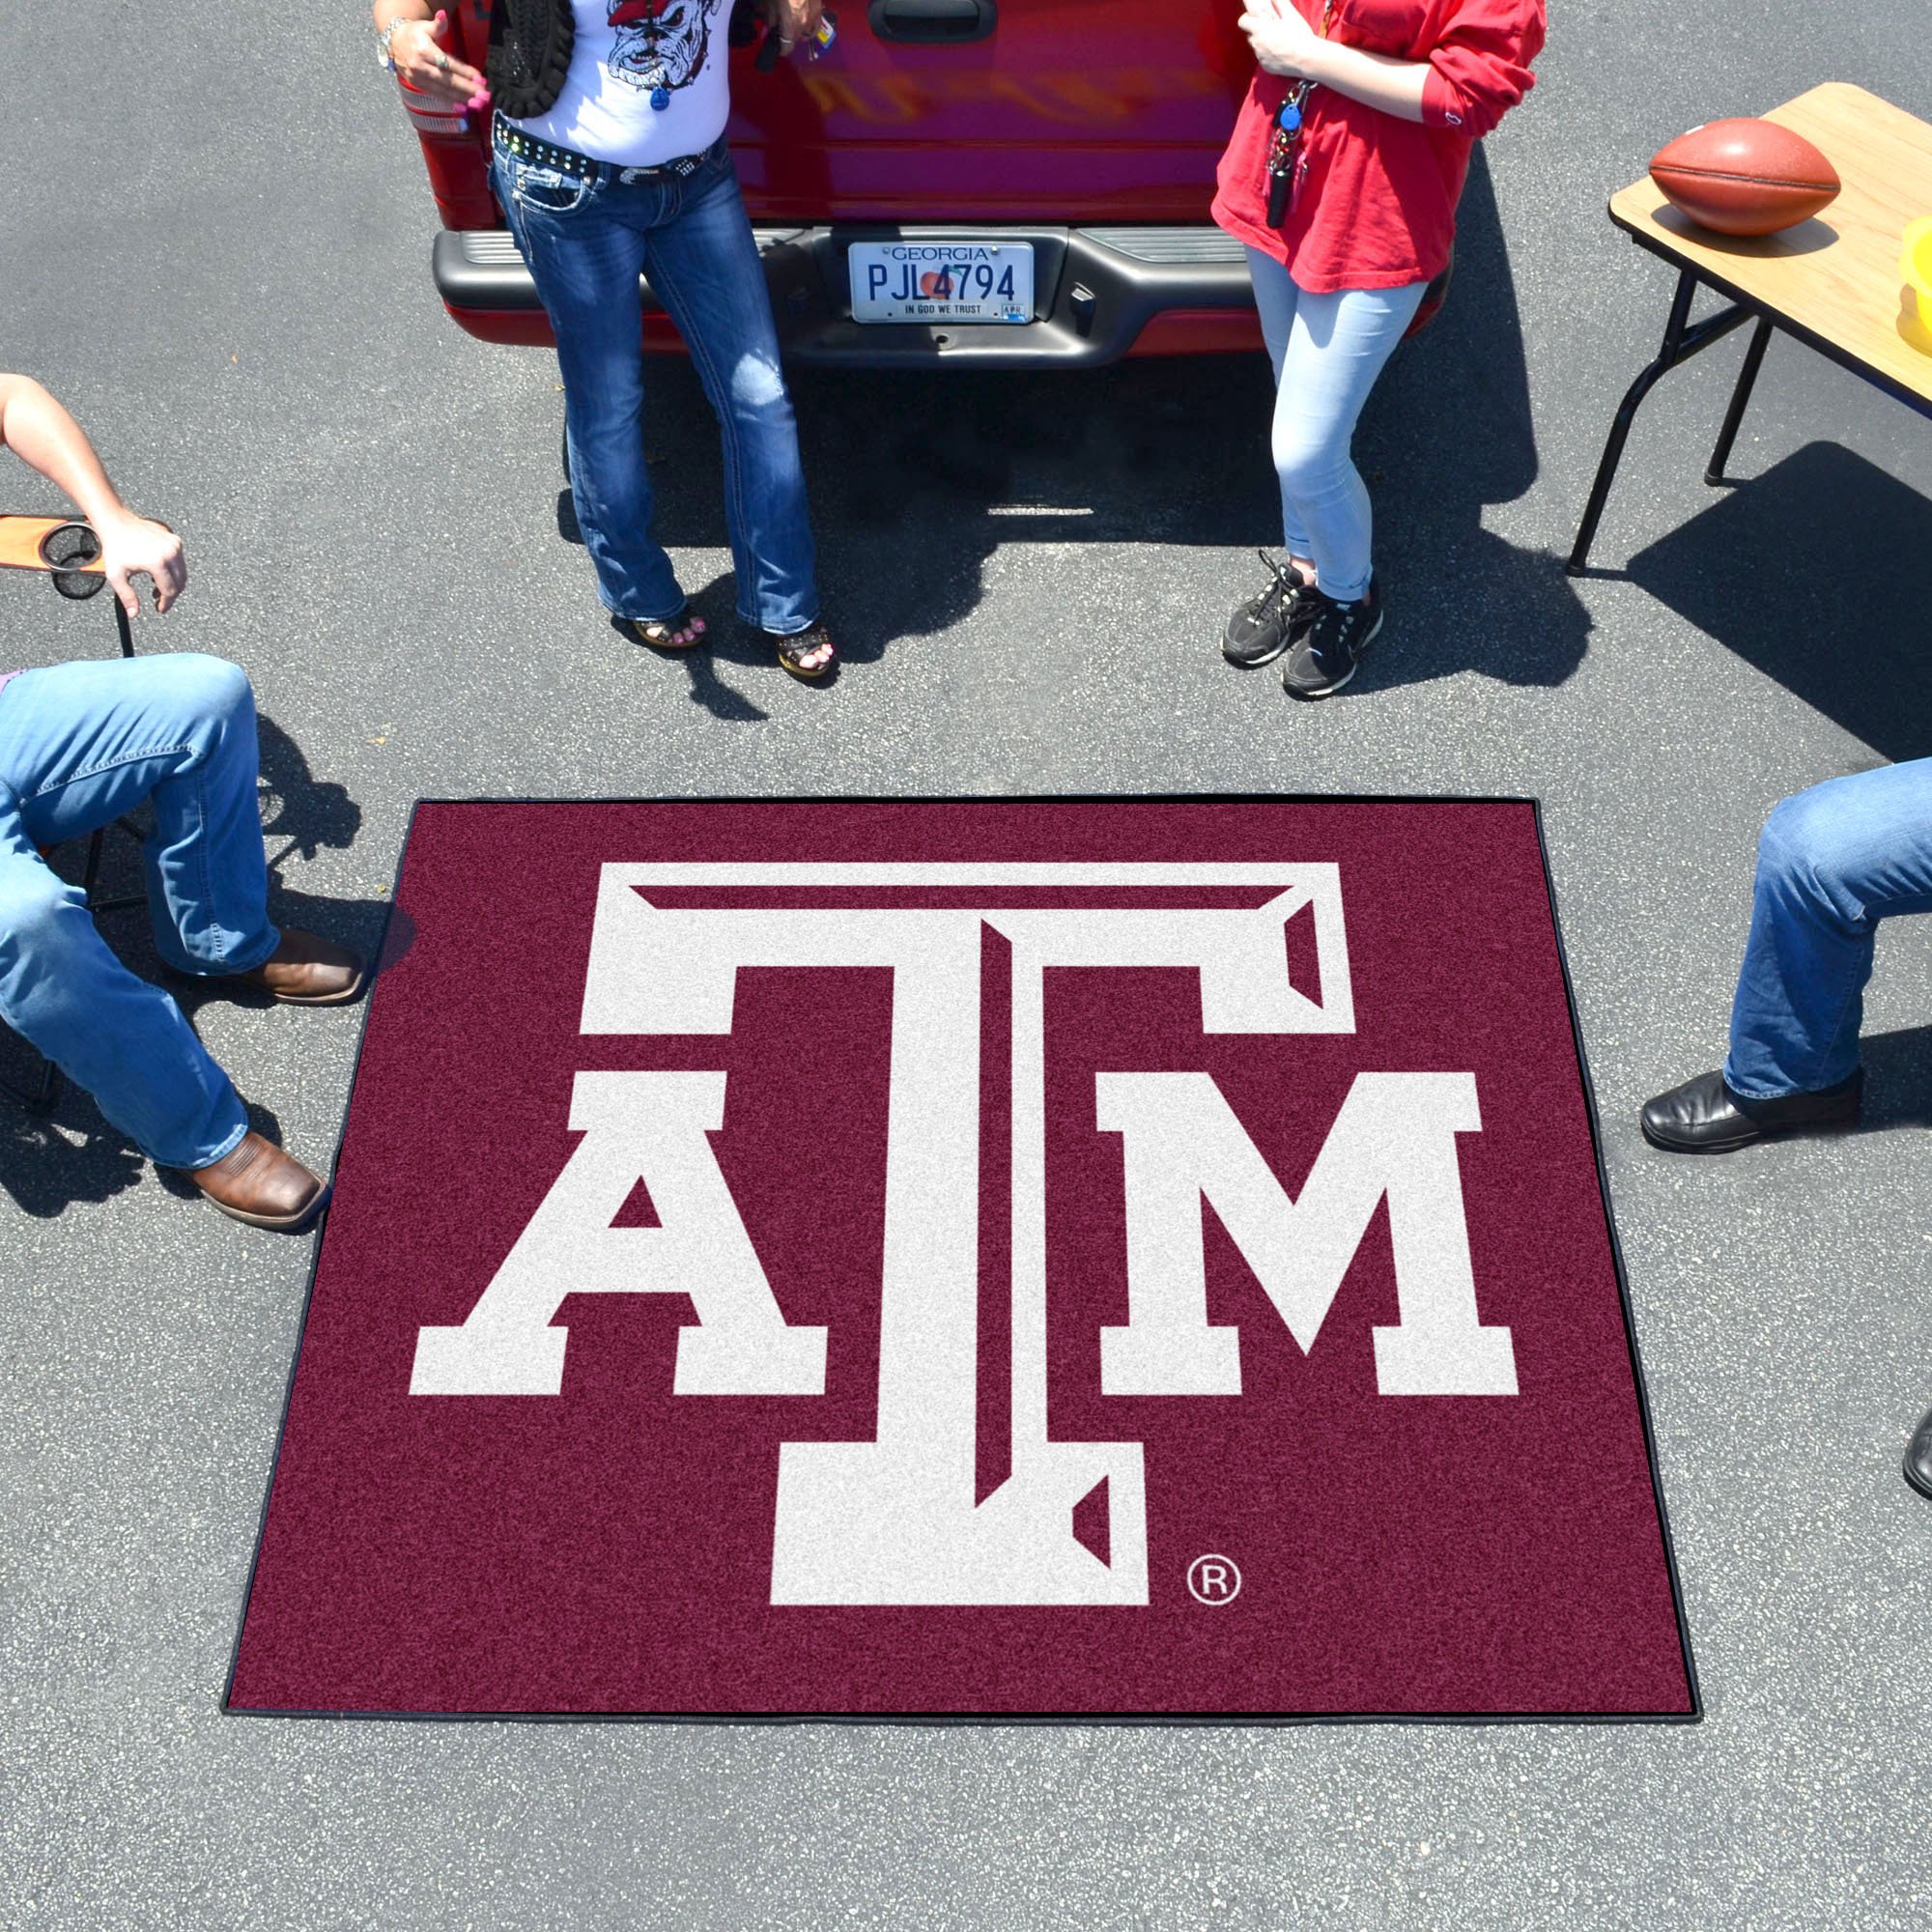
[941, 281]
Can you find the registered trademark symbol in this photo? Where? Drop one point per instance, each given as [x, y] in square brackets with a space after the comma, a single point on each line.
[1214, 1579]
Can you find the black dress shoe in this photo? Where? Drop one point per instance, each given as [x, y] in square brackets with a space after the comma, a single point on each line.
[1703, 1116]
[1918, 1456]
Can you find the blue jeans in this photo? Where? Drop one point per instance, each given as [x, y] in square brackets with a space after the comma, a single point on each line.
[81, 744]
[586, 244]
[1832, 862]
[1328, 352]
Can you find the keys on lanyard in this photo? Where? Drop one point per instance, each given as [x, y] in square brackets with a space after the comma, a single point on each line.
[1287, 137]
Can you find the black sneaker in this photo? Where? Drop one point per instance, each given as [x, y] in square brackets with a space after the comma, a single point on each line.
[1326, 656]
[1265, 626]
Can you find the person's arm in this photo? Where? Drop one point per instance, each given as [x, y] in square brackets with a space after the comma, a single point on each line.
[1469, 82]
[46, 437]
[1285, 43]
[420, 49]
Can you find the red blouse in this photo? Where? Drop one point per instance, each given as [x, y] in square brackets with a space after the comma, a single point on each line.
[1374, 199]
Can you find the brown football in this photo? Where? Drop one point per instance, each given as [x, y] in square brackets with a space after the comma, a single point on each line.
[1745, 176]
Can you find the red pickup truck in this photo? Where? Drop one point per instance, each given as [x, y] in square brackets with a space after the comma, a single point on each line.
[1017, 182]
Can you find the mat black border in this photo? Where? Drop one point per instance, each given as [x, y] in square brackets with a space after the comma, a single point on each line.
[1052, 1720]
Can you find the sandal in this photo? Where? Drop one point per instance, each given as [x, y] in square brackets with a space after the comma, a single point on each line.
[662, 634]
[795, 648]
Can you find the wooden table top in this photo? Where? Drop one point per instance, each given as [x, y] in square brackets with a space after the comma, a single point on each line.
[1835, 279]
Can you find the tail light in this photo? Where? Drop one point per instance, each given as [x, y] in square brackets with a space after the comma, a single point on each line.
[430, 117]
[456, 151]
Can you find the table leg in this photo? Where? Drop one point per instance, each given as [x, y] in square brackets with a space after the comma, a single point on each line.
[1682, 340]
[1740, 397]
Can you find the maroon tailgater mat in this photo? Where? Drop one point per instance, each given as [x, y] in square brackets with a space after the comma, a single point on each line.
[1090, 1260]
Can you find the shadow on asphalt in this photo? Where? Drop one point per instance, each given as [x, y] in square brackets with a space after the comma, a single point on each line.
[1447, 433]
[1810, 573]
[1898, 1079]
[306, 811]
[48, 1162]
[917, 477]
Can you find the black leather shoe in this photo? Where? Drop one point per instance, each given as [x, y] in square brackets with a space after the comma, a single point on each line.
[1703, 1116]
[1918, 1456]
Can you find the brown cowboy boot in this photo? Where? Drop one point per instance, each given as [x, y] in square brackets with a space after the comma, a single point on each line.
[305, 970]
[255, 1181]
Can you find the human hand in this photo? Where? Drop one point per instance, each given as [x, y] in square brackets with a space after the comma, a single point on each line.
[794, 21]
[132, 547]
[1284, 43]
[420, 51]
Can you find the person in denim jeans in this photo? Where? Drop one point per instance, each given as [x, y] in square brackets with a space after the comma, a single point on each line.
[1832, 863]
[1340, 179]
[81, 745]
[609, 160]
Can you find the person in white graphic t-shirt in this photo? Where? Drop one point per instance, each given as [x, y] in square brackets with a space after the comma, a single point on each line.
[610, 161]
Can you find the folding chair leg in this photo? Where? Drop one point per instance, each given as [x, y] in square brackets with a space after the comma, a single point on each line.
[48, 1094]
[44, 1097]
[90, 874]
[127, 636]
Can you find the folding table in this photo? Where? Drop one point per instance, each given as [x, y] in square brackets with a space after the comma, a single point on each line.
[1832, 282]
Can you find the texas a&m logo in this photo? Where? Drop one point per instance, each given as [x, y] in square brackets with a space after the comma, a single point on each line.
[894, 1521]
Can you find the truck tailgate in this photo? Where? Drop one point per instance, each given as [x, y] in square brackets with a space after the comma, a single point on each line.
[1065, 111]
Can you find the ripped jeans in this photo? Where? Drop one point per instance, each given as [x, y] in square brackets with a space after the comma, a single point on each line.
[586, 243]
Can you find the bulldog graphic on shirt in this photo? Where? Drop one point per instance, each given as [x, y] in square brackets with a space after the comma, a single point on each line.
[661, 43]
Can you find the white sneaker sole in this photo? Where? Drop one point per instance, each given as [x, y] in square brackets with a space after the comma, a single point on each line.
[1253, 664]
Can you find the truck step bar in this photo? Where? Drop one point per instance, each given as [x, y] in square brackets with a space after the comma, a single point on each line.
[1095, 290]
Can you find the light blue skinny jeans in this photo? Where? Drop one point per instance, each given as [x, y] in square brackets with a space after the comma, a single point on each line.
[1328, 352]
[81, 745]
[1832, 862]
[586, 244]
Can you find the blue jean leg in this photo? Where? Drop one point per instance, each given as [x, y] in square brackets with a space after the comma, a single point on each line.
[81, 745]
[705, 270]
[1833, 863]
[1327, 351]
[586, 276]
[586, 247]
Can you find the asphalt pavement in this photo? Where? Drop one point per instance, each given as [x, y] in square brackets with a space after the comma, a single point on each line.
[214, 244]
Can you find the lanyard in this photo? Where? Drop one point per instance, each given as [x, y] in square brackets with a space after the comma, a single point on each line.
[1287, 137]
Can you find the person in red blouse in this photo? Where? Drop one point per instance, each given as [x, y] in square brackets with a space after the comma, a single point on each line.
[1342, 178]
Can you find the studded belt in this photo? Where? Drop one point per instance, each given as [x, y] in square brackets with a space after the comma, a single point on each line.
[567, 160]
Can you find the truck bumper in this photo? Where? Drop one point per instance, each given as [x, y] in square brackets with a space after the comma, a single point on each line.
[1100, 293]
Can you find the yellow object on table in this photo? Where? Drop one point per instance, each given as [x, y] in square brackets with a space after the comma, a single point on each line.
[1914, 316]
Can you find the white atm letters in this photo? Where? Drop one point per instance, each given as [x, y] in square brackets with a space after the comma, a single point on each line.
[896, 1520]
